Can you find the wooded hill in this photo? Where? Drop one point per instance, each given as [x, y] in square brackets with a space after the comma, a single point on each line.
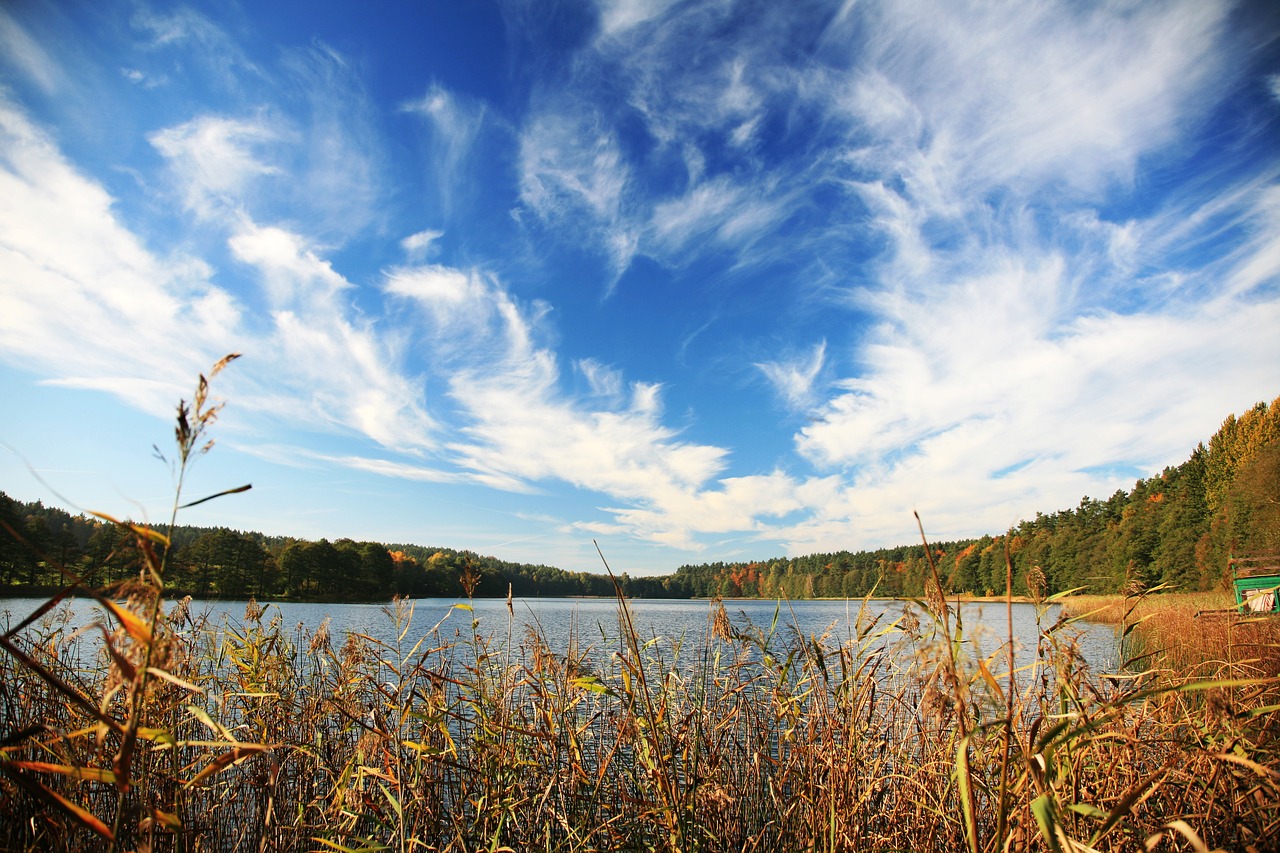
[1178, 527]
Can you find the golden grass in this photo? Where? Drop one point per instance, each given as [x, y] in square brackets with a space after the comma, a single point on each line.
[454, 738]
[1111, 609]
[1187, 633]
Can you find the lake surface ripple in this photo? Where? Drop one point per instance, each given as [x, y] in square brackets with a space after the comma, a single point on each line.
[592, 625]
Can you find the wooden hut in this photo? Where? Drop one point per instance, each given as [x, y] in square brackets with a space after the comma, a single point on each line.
[1256, 581]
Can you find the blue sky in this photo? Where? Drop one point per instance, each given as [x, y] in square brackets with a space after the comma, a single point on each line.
[699, 280]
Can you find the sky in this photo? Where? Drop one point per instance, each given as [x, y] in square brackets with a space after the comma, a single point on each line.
[696, 281]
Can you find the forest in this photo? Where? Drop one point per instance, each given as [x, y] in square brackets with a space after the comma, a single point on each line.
[1179, 528]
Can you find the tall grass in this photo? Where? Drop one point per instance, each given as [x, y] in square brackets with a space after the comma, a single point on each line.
[1189, 634]
[469, 736]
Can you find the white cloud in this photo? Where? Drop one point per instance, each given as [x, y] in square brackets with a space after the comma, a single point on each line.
[520, 426]
[572, 171]
[695, 70]
[943, 411]
[81, 296]
[744, 134]
[793, 379]
[342, 370]
[1262, 264]
[1058, 95]
[19, 49]
[443, 290]
[603, 381]
[216, 159]
[338, 171]
[523, 428]
[618, 16]
[716, 211]
[567, 164]
[141, 78]
[739, 504]
[421, 473]
[294, 274]
[313, 158]
[472, 320]
[903, 223]
[181, 26]
[417, 246]
[456, 124]
[703, 208]
[197, 44]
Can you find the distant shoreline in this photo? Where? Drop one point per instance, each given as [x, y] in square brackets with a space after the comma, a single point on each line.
[175, 594]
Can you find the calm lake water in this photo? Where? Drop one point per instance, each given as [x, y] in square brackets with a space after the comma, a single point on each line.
[594, 622]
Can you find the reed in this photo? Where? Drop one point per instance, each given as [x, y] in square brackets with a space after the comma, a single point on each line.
[466, 736]
[1114, 609]
[1189, 633]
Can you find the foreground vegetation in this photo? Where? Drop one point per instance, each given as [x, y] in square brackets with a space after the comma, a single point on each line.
[460, 736]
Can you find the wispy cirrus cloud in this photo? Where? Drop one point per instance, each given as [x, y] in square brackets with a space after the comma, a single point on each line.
[793, 379]
[194, 44]
[682, 517]
[138, 325]
[419, 244]
[338, 169]
[618, 16]
[1258, 257]
[73, 273]
[518, 422]
[24, 52]
[573, 175]
[455, 126]
[215, 159]
[714, 210]
[674, 191]
[403, 470]
[322, 136]
[602, 381]
[339, 369]
[1060, 94]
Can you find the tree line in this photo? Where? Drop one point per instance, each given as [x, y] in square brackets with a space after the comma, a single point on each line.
[1179, 527]
[220, 562]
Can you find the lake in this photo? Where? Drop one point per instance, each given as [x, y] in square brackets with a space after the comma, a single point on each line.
[594, 622]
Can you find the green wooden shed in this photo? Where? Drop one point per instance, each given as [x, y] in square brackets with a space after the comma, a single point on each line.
[1256, 580]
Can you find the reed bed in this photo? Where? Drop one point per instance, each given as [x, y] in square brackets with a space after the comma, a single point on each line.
[1193, 634]
[168, 733]
[458, 736]
[1121, 609]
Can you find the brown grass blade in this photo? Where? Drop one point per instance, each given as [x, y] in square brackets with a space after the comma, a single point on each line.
[222, 762]
[92, 774]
